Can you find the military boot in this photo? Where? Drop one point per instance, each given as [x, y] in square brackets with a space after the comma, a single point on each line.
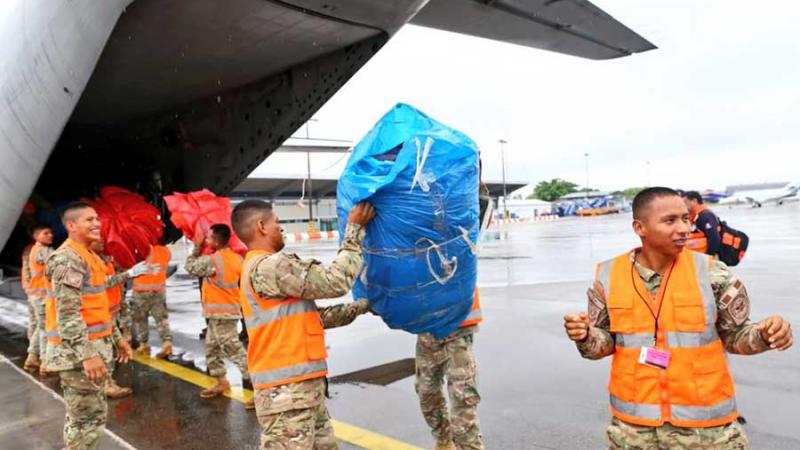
[32, 363]
[250, 405]
[166, 351]
[45, 374]
[143, 349]
[113, 390]
[218, 389]
[444, 444]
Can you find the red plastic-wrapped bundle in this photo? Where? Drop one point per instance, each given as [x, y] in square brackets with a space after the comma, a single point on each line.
[129, 225]
[195, 212]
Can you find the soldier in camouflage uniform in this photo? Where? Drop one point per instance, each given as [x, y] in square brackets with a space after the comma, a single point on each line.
[122, 319]
[222, 313]
[150, 299]
[32, 362]
[38, 292]
[738, 334]
[293, 415]
[81, 361]
[452, 358]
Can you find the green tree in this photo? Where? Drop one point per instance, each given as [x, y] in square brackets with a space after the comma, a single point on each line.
[631, 192]
[552, 190]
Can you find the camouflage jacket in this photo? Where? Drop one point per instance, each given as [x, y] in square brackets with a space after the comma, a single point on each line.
[283, 275]
[738, 334]
[26, 267]
[344, 314]
[67, 272]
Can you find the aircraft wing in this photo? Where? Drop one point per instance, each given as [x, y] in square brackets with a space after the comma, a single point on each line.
[574, 27]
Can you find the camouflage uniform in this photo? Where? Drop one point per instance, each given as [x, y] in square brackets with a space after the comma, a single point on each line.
[121, 320]
[450, 357]
[294, 416]
[738, 334]
[153, 303]
[222, 336]
[26, 275]
[85, 401]
[37, 343]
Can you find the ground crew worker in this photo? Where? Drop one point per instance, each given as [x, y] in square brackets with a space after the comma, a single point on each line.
[32, 362]
[704, 235]
[450, 357]
[220, 299]
[287, 354]
[118, 307]
[37, 294]
[668, 315]
[150, 299]
[80, 333]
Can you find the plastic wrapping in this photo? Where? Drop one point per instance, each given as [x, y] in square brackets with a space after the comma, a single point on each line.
[420, 264]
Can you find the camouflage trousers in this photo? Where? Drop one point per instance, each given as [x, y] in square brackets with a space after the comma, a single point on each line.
[37, 342]
[31, 320]
[123, 322]
[86, 410]
[222, 341]
[294, 417]
[153, 304]
[625, 436]
[449, 358]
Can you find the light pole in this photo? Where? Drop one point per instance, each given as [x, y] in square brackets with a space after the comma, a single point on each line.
[310, 190]
[586, 189]
[503, 142]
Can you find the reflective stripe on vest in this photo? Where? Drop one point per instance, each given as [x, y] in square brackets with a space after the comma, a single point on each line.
[261, 318]
[648, 396]
[272, 376]
[221, 308]
[689, 413]
[220, 275]
[149, 287]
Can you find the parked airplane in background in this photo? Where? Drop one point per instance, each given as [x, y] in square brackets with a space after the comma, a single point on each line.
[759, 197]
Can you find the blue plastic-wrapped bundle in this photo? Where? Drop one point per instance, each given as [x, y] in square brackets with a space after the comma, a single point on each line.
[420, 265]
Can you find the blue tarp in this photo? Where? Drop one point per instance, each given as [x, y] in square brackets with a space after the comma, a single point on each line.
[419, 261]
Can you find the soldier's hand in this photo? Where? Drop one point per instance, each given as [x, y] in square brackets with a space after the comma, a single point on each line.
[777, 332]
[577, 326]
[198, 240]
[361, 214]
[124, 351]
[95, 369]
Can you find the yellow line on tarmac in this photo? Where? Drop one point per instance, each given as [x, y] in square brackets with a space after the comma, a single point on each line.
[344, 431]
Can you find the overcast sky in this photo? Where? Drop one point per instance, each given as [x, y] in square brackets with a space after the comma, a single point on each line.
[718, 102]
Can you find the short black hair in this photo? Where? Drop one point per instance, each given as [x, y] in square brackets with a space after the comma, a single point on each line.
[72, 207]
[646, 196]
[39, 227]
[244, 216]
[693, 195]
[222, 232]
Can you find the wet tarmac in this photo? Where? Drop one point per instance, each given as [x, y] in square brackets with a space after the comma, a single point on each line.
[537, 393]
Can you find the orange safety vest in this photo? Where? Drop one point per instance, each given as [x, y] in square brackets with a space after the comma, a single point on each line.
[287, 340]
[697, 239]
[94, 300]
[696, 389]
[114, 292]
[475, 315]
[37, 285]
[159, 255]
[220, 293]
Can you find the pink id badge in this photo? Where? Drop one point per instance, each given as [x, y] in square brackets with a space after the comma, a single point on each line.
[654, 357]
